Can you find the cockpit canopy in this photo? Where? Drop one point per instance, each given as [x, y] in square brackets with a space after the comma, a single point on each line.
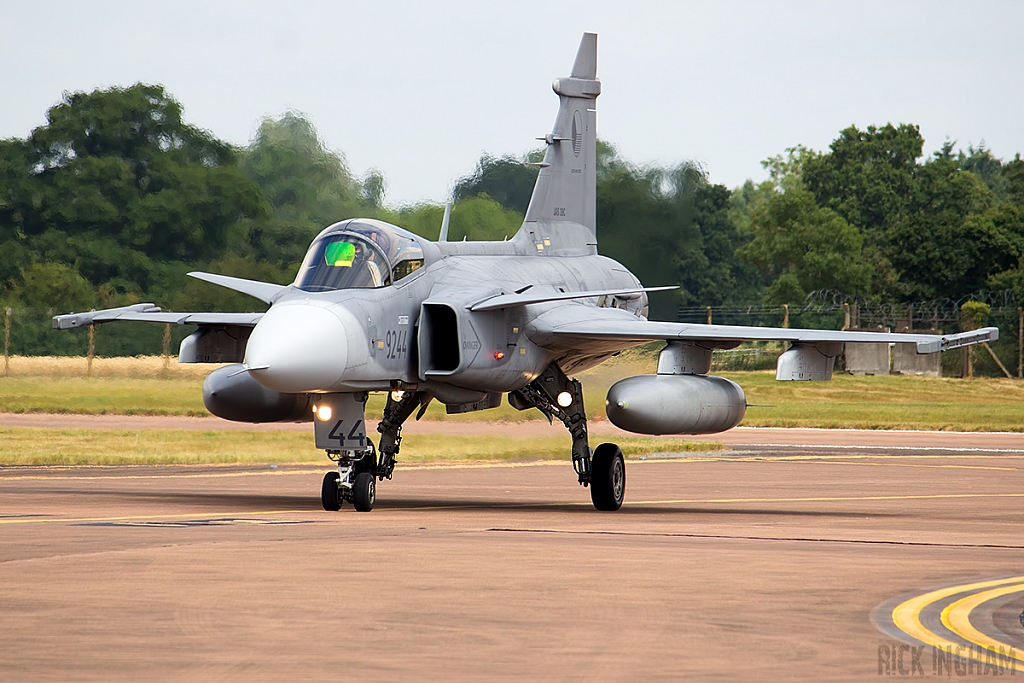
[359, 254]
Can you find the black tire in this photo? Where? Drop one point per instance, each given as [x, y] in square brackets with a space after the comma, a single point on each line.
[607, 477]
[364, 492]
[330, 495]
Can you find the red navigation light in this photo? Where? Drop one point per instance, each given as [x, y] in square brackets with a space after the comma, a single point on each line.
[498, 355]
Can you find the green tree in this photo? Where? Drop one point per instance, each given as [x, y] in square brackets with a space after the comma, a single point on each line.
[646, 220]
[308, 187]
[1013, 171]
[54, 285]
[116, 182]
[710, 273]
[868, 176]
[948, 244]
[802, 247]
[508, 180]
[981, 161]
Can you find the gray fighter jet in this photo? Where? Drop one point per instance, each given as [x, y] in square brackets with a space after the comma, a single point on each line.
[377, 308]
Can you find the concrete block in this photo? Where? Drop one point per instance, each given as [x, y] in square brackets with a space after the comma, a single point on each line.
[907, 361]
[867, 359]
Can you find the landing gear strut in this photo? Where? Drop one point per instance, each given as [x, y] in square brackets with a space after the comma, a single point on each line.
[604, 470]
[396, 412]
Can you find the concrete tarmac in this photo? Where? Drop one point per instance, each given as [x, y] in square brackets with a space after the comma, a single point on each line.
[765, 562]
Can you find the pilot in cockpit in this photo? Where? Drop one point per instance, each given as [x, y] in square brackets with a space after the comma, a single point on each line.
[359, 258]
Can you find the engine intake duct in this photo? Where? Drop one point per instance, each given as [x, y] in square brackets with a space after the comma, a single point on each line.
[232, 394]
[675, 404]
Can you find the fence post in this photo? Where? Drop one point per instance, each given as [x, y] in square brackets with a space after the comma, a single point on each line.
[7, 341]
[846, 316]
[1020, 342]
[167, 345]
[785, 315]
[92, 349]
[709, 315]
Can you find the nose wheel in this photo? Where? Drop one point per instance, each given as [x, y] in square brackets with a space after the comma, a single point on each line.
[330, 492]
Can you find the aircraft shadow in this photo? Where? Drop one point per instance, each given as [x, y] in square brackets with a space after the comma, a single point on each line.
[632, 510]
[235, 502]
[241, 502]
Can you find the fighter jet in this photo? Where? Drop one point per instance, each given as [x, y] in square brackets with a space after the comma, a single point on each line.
[375, 308]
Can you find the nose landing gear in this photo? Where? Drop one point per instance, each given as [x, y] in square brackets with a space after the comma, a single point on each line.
[354, 482]
[359, 468]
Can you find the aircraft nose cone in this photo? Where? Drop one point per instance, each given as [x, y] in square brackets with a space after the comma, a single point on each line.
[297, 347]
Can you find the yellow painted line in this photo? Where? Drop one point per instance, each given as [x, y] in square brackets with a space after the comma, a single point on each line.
[830, 459]
[907, 615]
[122, 477]
[898, 464]
[817, 499]
[130, 518]
[956, 617]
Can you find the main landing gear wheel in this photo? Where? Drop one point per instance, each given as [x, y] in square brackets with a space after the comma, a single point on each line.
[607, 477]
[364, 492]
[330, 494]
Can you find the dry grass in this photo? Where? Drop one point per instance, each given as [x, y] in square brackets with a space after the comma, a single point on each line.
[29, 446]
[135, 367]
[890, 402]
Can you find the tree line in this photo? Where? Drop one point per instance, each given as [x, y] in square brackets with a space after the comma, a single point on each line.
[116, 197]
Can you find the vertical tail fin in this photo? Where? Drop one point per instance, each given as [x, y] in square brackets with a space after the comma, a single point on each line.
[563, 208]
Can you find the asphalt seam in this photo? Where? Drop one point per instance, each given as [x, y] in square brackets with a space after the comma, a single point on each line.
[759, 538]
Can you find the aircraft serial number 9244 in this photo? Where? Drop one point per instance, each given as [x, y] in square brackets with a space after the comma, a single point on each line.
[377, 308]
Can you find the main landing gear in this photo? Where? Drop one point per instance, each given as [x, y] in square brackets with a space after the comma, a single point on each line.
[604, 469]
[355, 481]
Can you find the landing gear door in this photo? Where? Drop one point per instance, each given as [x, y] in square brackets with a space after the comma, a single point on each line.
[339, 422]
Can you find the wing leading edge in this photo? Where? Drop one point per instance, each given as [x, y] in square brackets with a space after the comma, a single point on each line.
[152, 314]
[563, 328]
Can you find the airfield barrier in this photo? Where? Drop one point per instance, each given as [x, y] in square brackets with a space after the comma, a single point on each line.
[832, 310]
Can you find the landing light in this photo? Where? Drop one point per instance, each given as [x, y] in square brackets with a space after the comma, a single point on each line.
[324, 413]
[564, 399]
[397, 395]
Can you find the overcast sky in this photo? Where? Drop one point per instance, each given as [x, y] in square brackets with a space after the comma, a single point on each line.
[419, 90]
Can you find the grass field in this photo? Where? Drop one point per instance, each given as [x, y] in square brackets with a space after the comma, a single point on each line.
[30, 446]
[143, 386]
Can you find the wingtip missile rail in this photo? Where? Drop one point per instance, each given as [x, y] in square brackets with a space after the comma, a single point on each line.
[955, 341]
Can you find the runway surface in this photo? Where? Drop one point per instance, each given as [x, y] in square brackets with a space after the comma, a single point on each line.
[765, 562]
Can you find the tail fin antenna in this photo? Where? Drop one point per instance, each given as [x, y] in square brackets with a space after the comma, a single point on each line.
[443, 237]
